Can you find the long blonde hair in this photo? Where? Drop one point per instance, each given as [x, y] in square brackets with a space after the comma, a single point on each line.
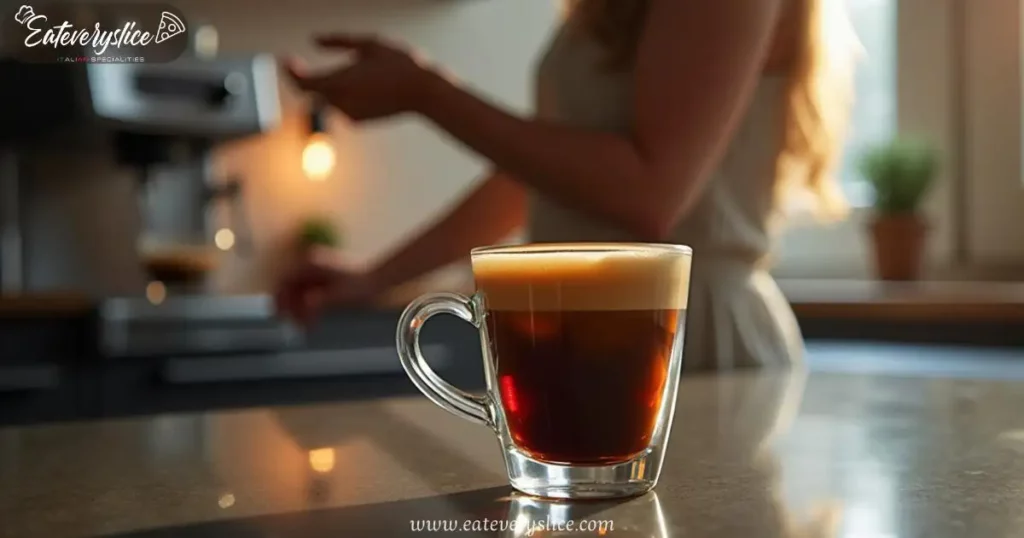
[818, 98]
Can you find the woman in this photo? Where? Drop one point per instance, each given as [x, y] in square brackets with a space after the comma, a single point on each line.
[657, 120]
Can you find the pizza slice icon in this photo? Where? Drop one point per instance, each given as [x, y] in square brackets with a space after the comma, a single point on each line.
[170, 26]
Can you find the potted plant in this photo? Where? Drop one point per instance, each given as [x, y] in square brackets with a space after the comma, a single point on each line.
[317, 233]
[900, 173]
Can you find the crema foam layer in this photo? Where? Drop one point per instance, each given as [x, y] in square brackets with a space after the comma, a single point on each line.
[583, 281]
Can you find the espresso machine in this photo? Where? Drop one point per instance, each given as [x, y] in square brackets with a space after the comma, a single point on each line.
[166, 120]
[160, 122]
[165, 123]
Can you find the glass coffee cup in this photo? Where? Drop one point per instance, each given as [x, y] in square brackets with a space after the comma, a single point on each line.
[582, 346]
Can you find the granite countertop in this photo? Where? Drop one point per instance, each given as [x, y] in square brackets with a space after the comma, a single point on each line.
[789, 455]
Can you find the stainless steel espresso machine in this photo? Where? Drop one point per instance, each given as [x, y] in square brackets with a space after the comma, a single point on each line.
[166, 121]
[160, 122]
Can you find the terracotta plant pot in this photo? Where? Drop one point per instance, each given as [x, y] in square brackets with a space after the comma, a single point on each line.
[899, 245]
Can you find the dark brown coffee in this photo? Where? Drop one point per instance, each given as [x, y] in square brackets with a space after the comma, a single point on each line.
[582, 343]
[174, 267]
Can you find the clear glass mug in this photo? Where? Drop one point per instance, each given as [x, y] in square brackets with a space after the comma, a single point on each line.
[582, 346]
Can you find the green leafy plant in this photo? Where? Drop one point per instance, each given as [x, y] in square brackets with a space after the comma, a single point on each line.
[900, 172]
[319, 232]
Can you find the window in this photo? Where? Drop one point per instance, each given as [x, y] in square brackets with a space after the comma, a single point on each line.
[903, 84]
[874, 114]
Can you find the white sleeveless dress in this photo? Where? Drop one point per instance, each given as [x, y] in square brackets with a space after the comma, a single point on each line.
[737, 316]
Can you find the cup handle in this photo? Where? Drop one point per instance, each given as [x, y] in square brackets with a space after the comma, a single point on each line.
[473, 408]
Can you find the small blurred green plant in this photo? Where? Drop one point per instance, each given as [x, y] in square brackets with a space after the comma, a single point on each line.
[901, 172]
[319, 232]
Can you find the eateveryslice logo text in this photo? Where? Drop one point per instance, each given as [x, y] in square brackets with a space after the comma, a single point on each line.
[41, 32]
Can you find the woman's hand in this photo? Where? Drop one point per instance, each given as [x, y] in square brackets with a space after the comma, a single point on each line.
[316, 283]
[384, 80]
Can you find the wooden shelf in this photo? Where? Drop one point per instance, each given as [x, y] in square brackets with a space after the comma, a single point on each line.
[912, 301]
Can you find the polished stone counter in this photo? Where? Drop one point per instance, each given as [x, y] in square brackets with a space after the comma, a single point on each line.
[852, 454]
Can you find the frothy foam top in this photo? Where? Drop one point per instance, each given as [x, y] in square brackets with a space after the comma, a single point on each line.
[583, 280]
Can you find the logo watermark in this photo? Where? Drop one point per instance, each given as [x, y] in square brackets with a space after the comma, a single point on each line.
[95, 33]
[519, 526]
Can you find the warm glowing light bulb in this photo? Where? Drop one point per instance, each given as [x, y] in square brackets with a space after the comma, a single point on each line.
[226, 501]
[318, 157]
[224, 239]
[206, 41]
[156, 292]
[321, 460]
